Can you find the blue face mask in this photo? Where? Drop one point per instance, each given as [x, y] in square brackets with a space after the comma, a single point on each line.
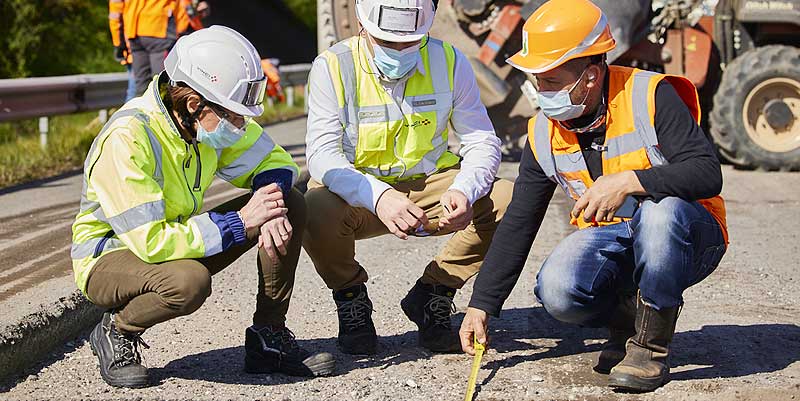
[395, 64]
[557, 105]
[224, 136]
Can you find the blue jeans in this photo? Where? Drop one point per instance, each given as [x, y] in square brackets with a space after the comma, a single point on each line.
[667, 247]
[130, 92]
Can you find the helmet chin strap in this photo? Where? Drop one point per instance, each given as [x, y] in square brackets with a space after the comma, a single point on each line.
[188, 120]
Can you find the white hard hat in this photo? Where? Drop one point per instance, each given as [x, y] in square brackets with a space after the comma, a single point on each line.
[396, 20]
[222, 66]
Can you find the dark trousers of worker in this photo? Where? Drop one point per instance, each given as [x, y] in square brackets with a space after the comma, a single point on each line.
[667, 247]
[148, 59]
[143, 295]
[334, 226]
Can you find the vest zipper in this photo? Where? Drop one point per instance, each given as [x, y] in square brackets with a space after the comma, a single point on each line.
[199, 170]
[191, 193]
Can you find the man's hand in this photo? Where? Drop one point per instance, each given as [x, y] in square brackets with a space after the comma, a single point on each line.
[275, 234]
[120, 53]
[399, 214]
[457, 211]
[265, 204]
[474, 325]
[602, 200]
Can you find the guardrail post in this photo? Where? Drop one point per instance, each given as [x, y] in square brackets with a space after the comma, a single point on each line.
[44, 123]
[290, 95]
[102, 116]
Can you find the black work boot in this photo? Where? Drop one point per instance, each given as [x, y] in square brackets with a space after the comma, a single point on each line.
[356, 330]
[275, 350]
[621, 328]
[118, 354]
[646, 363]
[430, 307]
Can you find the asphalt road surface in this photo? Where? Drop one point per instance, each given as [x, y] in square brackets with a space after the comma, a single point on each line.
[737, 337]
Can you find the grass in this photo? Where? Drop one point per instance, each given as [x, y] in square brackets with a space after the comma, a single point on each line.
[22, 159]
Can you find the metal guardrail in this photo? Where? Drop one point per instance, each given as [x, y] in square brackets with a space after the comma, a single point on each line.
[23, 98]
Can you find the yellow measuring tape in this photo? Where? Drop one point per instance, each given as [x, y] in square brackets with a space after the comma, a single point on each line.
[476, 366]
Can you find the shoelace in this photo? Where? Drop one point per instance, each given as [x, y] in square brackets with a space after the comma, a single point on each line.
[128, 348]
[442, 307]
[354, 312]
[283, 336]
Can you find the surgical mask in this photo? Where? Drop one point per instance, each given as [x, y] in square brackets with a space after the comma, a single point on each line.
[223, 136]
[395, 64]
[557, 105]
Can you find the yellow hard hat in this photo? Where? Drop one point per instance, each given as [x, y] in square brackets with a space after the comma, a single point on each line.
[559, 31]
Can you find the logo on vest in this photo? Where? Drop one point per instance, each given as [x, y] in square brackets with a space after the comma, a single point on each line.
[369, 115]
[420, 103]
[419, 123]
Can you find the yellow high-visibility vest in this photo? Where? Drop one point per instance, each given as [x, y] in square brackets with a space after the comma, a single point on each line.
[143, 186]
[394, 142]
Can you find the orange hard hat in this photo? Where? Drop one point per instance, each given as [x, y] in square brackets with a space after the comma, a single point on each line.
[559, 31]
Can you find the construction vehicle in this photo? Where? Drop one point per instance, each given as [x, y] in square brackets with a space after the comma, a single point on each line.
[742, 55]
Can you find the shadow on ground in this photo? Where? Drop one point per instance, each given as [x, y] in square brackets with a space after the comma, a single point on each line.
[721, 351]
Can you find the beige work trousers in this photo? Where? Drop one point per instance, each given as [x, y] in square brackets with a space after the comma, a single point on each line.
[333, 226]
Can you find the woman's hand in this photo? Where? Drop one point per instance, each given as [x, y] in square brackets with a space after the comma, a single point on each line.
[265, 204]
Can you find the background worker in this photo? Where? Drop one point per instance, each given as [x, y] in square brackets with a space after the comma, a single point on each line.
[381, 108]
[142, 249]
[604, 134]
[122, 52]
[151, 28]
[195, 12]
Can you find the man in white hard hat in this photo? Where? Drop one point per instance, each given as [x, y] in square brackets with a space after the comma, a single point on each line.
[142, 248]
[382, 105]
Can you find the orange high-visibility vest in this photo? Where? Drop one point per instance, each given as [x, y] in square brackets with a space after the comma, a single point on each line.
[631, 142]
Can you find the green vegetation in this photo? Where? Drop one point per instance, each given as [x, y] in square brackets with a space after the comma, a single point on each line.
[54, 37]
[306, 11]
[23, 160]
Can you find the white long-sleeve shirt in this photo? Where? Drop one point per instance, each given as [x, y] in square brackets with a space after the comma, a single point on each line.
[327, 163]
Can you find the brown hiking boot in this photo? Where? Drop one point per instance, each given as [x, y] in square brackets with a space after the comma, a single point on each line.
[646, 363]
[621, 328]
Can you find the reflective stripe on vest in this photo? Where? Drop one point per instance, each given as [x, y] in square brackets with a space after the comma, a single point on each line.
[133, 217]
[358, 119]
[631, 106]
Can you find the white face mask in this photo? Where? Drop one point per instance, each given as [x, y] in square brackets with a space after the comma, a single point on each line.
[557, 105]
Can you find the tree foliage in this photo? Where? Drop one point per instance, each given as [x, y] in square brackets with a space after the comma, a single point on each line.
[54, 37]
[306, 11]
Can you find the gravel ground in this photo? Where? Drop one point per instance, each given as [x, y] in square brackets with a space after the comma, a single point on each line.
[738, 336]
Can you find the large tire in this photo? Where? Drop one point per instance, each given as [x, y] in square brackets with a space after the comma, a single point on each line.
[762, 80]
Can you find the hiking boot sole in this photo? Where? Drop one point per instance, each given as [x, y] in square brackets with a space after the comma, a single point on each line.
[322, 364]
[630, 383]
[128, 382]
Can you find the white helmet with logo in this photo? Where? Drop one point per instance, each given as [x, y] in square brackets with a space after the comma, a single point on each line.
[222, 66]
[396, 20]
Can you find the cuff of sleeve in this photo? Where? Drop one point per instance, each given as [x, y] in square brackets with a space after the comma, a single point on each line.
[489, 307]
[281, 176]
[377, 187]
[231, 228]
[470, 193]
[650, 182]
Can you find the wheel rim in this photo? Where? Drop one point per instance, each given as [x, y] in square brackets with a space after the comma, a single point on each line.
[781, 138]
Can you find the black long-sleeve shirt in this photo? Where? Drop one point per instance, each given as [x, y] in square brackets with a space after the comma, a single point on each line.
[693, 173]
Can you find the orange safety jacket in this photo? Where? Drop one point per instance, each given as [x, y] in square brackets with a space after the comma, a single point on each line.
[115, 24]
[152, 18]
[631, 142]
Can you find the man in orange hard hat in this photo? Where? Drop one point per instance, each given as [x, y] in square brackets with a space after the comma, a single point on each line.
[626, 146]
